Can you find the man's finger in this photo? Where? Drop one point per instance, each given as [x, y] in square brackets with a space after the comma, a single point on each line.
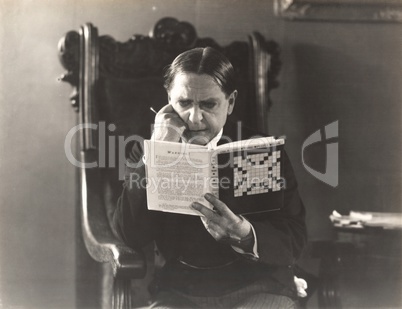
[208, 213]
[168, 108]
[220, 206]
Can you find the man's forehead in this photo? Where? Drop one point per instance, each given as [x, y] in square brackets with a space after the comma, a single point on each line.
[191, 81]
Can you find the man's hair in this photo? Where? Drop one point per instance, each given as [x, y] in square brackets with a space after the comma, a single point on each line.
[203, 61]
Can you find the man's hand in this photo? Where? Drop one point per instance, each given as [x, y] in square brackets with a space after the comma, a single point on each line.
[223, 224]
[168, 125]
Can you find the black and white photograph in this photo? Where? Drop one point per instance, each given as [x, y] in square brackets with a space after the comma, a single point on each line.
[200, 154]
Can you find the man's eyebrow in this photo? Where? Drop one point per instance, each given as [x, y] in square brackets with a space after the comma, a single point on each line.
[209, 100]
[184, 99]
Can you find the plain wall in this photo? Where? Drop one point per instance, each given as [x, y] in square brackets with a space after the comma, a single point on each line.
[346, 72]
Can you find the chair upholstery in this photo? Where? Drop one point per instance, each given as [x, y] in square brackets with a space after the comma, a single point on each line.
[115, 84]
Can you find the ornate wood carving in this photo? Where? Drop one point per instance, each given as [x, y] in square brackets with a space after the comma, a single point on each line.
[144, 56]
[122, 298]
[176, 36]
[69, 53]
[69, 56]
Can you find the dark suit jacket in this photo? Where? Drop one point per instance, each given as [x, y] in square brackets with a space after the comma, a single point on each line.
[281, 236]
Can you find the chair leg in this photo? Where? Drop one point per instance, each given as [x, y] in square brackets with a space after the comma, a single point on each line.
[121, 294]
[330, 271]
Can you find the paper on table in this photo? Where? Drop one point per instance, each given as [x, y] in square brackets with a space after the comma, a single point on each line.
[345, 221]
[357, 219]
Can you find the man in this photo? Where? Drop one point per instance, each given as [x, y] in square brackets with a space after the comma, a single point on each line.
[222, 260]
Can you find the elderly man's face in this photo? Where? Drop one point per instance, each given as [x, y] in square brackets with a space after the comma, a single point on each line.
[201, 104]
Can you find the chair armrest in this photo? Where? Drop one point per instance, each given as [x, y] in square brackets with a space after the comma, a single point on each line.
[100, 241]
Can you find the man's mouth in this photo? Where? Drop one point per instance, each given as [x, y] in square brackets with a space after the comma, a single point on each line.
[196, 130]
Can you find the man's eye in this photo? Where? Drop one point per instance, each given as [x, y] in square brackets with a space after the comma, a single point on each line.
[184, 103]
[209, 105]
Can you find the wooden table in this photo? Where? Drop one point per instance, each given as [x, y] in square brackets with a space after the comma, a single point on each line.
[362, 267]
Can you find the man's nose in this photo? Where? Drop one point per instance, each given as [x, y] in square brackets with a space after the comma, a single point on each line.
[195, 115]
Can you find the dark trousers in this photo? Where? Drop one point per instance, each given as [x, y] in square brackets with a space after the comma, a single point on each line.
[251, 296]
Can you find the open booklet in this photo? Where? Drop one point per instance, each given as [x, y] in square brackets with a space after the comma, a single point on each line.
[246, 175]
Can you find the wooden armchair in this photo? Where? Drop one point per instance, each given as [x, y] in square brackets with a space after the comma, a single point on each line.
[115, 84]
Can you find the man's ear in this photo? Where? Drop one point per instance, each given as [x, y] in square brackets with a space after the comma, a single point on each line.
[232, 100]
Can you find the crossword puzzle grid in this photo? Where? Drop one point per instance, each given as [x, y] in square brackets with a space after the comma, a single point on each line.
[256, 173]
